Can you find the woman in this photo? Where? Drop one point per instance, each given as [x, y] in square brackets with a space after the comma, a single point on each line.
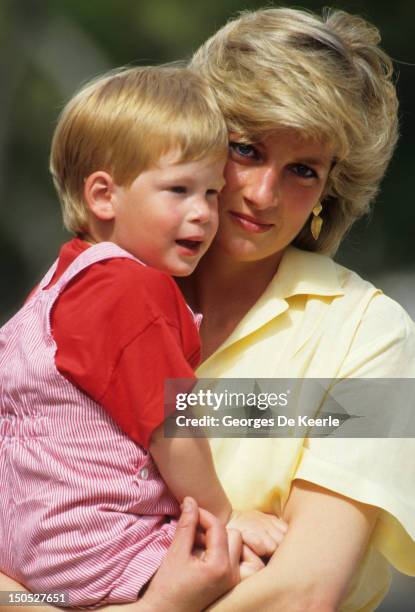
[311, 110]
[312, 114]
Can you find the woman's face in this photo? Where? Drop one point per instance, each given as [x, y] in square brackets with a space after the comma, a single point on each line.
[271, 189]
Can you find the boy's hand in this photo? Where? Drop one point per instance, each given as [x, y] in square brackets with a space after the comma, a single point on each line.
[261, 532]
[250, 563]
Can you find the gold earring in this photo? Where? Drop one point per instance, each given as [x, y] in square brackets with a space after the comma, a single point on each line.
[316, 221]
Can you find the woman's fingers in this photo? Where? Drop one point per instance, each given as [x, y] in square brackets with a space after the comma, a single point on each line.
[200, 538]
[189, 579]
[215, 536]
[213, 539]
[184, 537]
[235, 549]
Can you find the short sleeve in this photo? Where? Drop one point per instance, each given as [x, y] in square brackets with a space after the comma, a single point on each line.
[379, 472]
[384, 343]
[121, 329]
[135, 393]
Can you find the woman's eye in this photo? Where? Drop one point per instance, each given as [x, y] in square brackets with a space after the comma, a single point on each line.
[304, 171]
[244, 150]
[178, 189]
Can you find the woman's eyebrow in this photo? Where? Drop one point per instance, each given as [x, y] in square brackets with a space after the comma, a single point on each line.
[313, 161]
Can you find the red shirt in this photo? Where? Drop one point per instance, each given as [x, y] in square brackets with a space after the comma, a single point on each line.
[121, 329]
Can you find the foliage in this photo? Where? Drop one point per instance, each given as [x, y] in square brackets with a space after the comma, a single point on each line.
[49, 48]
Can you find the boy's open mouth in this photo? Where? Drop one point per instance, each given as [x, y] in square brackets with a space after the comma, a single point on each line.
[191, 245]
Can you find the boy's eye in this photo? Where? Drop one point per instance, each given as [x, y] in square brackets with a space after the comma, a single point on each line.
[212, 192]
[304, 171]
[244, 150]
[178, 189]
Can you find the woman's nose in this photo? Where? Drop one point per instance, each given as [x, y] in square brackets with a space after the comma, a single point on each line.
[263, 188]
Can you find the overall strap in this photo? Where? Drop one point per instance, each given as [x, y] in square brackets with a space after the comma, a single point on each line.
[97, 252]
[48, 277]
[197, 317]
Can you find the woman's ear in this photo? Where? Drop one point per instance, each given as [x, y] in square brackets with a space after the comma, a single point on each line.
[99, 194]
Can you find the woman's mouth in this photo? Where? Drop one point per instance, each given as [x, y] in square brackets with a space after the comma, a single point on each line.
[250, 224]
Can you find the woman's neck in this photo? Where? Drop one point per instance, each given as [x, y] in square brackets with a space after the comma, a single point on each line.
[224, 290]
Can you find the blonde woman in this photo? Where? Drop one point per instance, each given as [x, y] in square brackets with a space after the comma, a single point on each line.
[312, 114]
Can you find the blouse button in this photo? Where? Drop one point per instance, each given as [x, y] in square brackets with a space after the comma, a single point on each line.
[144, 473]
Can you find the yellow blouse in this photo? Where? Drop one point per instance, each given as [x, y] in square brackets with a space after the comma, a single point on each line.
[318, 319]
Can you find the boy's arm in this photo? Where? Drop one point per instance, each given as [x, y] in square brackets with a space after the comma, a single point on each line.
[187, 468]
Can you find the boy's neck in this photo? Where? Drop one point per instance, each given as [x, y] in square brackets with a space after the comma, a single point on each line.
[98, 231]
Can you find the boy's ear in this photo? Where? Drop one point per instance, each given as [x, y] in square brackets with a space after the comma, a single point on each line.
[99, 194]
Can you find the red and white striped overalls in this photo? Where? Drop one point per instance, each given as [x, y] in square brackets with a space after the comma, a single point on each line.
[82, 507]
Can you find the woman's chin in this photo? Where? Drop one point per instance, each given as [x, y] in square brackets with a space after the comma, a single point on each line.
[242, 250]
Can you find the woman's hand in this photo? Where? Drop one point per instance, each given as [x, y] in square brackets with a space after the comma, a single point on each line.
[185, 582]
[189, 582]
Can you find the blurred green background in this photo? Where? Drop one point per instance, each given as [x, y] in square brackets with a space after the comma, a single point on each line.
[50, 47]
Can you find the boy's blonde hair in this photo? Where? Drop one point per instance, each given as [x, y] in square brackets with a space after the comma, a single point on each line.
[323, 76]
[124, 122]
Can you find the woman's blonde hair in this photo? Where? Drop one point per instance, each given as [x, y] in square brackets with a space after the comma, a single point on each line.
[124, 122]
[323, 76]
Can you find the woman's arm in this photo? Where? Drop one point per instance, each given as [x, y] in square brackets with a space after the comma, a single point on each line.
[312, 568]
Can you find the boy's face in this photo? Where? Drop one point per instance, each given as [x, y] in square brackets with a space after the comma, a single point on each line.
[168, 216]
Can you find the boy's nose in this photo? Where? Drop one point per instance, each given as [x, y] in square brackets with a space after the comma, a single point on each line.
[201, 210]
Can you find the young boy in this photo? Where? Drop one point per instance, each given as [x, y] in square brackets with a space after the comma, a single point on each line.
[137, 159]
